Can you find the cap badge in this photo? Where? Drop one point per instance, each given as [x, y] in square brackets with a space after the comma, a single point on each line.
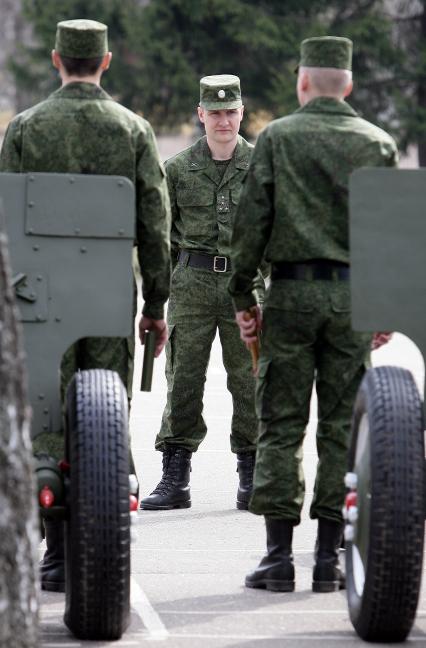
[221, 94]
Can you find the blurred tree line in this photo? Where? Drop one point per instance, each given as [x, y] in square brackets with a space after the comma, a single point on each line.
[161, 48]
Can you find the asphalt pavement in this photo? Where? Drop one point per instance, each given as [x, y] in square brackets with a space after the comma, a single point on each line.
[188, 566]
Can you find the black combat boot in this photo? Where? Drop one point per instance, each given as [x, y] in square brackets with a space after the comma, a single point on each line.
[173, 489]
[245, 468]
[327, 575]
[275, 571]
[52, 567]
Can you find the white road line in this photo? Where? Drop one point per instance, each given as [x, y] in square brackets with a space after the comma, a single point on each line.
[252, 612]
[50, 644]
[212, 550]
[289, 612]
[141, 605]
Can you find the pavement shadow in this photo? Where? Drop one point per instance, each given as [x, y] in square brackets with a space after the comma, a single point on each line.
[165, 517]
[321, 639]
[221, 605]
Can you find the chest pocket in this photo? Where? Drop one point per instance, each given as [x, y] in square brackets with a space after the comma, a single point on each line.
[236, 194]
[196, 209]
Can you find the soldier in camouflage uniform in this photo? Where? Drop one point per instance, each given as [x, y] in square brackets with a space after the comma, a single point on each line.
[204, 185]
[294, 209]
[80, 129]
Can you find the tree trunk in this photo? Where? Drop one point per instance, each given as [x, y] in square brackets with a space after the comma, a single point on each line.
[21, 95]
[18, 518]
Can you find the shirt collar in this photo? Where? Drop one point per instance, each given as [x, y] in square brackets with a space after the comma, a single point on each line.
[80, 90]
[201, 157]
[328, 105]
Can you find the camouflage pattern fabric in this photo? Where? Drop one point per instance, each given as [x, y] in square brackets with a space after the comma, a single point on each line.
[203, 206]
[200, 306]
[220, 92]
[306, 335]
[80, 129]
[81, 39]
[294, 208]
[326, 51]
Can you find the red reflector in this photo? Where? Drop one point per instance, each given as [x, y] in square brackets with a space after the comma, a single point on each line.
[133, 501]
[351, 499]
[64, 466]
[46, 497]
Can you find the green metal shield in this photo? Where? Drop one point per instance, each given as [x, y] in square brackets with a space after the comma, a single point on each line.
[388, 242]
[70, 242]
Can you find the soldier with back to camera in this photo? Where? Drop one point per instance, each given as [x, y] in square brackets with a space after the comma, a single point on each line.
[80, 129]
[294, 210]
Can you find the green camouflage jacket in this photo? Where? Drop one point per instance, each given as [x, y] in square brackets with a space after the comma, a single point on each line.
[294, 203]
[80, 129]
[204, 205]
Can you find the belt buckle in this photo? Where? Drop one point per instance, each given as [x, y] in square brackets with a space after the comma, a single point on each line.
[220, 258]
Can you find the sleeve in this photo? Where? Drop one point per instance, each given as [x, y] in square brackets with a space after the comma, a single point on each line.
[152, 226]
[10, 155]
[261, 281]
[253, 225]
[393, 158]
[174, 236]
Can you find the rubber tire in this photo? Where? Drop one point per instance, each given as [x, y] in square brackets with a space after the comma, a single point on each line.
[97, 535]
[384, 610]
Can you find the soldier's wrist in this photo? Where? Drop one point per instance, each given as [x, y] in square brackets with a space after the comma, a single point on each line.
[153, 311]
[244, 302]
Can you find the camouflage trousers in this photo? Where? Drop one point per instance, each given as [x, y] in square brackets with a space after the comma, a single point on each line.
[307, 338]
[200, 306]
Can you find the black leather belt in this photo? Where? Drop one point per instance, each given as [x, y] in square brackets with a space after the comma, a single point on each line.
[214, 263]
[321, 270]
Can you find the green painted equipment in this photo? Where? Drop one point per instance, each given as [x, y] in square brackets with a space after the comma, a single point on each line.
[385, 504]
[71, 240]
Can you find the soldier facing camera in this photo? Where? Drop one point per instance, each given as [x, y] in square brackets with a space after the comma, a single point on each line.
[204, 184]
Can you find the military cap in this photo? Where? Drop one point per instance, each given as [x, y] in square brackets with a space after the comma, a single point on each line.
[326, 51]
[220, 92]
[81, 39]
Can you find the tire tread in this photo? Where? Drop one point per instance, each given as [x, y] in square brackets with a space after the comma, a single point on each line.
[98, 535]
[393, 575]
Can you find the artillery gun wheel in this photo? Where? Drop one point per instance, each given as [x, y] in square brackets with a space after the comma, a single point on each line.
[98, 525]
[385, 529]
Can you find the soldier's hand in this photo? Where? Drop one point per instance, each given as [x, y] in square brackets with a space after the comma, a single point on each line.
[379, 339]
[161, 332]
[249, 327]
